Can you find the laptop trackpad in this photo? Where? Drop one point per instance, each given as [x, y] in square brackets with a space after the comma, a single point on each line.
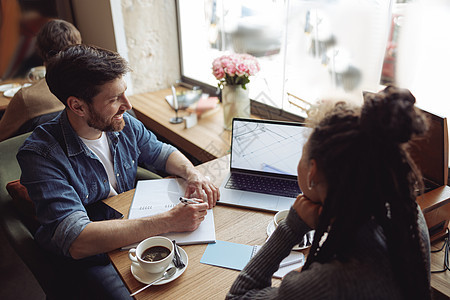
[259, 200]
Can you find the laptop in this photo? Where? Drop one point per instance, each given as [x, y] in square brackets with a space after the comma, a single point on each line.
[263, 164]
[431, 152]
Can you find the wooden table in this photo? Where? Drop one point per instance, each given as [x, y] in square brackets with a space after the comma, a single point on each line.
[199, 281]
[205, 141]
[237, 225]
[4, 101]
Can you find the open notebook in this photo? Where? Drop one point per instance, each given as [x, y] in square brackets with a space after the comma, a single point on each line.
[159, 195]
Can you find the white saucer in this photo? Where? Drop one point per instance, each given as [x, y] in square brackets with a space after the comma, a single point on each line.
[271, 228]
[11, 92]
[145, 277]
[8, 86]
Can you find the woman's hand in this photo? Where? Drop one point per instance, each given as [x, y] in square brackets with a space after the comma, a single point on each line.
[308, 210]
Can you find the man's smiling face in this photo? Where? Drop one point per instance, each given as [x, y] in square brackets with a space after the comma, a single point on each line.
[108, 106]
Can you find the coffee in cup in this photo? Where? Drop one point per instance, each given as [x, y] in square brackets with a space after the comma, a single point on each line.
[153, 255]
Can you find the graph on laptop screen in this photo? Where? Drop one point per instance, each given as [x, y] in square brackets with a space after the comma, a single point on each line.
[267, 147]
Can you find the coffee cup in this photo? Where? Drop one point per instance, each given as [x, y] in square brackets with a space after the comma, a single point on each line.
[280, 216]
[153, 255]
[36, 73]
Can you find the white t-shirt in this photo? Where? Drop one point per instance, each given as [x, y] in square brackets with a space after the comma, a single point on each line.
[101, 148]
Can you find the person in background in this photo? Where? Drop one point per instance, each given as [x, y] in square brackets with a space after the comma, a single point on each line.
[35, 104]
[91, 151]
[359, 189]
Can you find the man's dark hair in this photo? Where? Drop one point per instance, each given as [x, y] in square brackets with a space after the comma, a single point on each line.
[79, 71]
[54, 36]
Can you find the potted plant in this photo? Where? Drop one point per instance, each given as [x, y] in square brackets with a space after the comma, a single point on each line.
[233, 72]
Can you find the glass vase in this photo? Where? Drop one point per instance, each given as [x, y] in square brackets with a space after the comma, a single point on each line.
[235, 103]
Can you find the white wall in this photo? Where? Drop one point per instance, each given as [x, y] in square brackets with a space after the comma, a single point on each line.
[143, 31]
[152, 39]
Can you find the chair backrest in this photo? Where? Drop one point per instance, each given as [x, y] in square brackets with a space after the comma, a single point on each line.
[31, 124]
[20, 237]
[9, 167]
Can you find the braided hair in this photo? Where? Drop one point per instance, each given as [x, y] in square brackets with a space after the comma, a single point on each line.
[363, 155]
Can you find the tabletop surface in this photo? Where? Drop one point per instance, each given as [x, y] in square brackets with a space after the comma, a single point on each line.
[238, 225]
[4, 101]
[205, 141]
[199, 281]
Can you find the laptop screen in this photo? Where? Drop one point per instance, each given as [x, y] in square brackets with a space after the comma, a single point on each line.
[273, 147]
[431, 151]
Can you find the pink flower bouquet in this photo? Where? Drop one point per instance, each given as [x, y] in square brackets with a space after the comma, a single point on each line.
[235, 69]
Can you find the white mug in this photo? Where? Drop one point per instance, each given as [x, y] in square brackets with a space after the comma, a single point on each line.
[36, 73]
[135, 254]
[280, 216]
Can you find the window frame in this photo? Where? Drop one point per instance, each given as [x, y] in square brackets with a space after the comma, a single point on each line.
[257, 108]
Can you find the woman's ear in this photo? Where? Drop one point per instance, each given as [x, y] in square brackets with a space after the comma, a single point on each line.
[77, 106]
[312, 172]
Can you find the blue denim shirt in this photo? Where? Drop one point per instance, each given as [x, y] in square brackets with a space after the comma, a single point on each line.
[62, 175]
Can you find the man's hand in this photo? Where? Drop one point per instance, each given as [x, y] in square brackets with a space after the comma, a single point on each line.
[308, 210]
[104, 236]
[187, 217]
[198, 186]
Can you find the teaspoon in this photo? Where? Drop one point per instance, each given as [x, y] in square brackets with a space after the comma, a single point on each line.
[167, 274]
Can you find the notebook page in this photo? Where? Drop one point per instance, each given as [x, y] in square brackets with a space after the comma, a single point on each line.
[159, 195]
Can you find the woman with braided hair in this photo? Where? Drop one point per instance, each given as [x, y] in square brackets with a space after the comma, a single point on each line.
[359, 188]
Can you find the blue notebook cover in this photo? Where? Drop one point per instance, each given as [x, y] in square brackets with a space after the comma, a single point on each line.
[228, 255]
[236, 256]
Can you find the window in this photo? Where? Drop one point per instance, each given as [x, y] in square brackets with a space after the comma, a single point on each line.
[308, 48]
[423, 60]
[305, 48]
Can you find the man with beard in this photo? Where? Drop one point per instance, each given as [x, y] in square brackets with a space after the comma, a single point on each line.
[91, 152]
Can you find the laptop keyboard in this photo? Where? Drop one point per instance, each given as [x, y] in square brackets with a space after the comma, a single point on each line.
[264, 185]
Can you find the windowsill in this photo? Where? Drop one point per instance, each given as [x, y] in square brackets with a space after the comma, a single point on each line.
[258, 109]
[265, 111]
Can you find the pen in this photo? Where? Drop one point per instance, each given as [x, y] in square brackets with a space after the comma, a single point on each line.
[187, 201]
[291, 262]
